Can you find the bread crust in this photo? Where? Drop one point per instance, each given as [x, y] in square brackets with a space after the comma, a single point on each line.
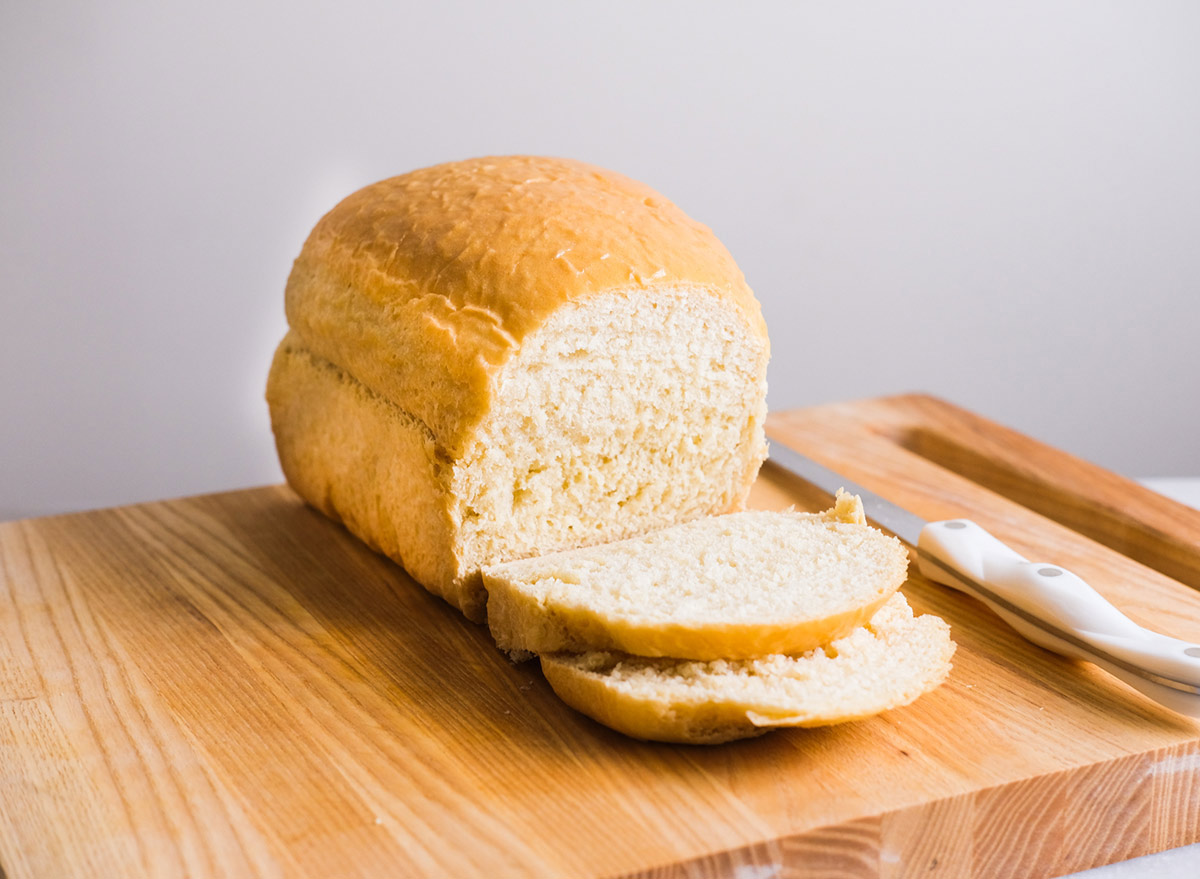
[712, 723]
[422, 286]
[364, 462]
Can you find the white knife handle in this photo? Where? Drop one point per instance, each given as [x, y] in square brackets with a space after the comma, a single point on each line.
[959, 553]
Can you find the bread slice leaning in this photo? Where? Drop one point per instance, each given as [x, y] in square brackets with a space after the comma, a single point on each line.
[885, 664]
[724, 587]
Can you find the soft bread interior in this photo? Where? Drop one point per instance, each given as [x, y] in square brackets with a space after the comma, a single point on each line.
[625, 412]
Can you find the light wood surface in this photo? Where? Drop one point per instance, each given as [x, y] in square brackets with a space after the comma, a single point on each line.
[231, 685]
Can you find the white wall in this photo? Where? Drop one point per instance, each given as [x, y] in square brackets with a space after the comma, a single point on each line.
[997, 203]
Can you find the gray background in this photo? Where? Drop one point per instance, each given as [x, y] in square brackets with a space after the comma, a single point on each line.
[996, 203]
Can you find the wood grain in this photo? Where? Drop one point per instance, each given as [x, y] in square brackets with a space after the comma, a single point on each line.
[231, 685]
[1097, 503]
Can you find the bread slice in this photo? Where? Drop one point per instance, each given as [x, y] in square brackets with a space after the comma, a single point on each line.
[724, 587]
[504, 357]
[887, 663]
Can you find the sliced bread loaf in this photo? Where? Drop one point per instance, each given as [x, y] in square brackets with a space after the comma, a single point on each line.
[887, 663]
[503, 357]
[724, 587]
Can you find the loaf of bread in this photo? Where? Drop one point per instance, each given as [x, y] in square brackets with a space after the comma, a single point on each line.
[887, 663]
[736, 586]
[502, 358]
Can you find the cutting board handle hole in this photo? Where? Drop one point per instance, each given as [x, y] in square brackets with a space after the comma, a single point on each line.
[1016, 468]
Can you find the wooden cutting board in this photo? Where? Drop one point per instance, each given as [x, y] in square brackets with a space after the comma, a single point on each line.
[231, 685]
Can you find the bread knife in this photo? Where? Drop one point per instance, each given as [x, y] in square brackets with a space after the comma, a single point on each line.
[1044, 602]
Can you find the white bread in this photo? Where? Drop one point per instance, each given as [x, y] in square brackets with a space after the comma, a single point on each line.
[725, 587]
[883, 665]
[501, 358]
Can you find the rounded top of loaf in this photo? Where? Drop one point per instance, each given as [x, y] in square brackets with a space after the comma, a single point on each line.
[519, 235]
[456, 264]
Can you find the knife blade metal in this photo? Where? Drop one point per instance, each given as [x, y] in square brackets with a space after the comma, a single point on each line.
[905, 525]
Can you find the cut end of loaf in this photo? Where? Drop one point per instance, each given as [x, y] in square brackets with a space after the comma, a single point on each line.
[627, 412]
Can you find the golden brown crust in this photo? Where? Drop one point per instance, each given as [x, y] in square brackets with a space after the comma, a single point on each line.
[367, 464]
[687, 724]
[421, 286]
